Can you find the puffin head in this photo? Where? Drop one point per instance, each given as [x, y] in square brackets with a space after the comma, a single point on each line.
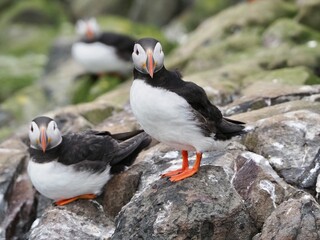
[87, 28]
[148, 56]
[44, 133]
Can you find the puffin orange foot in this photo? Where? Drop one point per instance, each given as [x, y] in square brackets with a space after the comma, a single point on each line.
[185, 166]
[185, 174]
[172, 173]
[69, 200]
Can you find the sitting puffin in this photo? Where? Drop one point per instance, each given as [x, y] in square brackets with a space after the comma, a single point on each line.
[78, 165]
[102, 52]
[176, 112]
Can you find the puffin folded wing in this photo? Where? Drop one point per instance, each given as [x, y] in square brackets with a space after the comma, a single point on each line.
[128, 150]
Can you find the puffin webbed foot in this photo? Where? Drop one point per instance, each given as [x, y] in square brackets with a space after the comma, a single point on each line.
[185, 174]
[69, 200]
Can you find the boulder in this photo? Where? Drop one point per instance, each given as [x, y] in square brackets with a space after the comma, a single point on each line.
[79, 220]
[260, 186]
[308, 13]
[228, 22]
[262, 94]
[289, 31]
[301, 221]
[290, 143]
[17, 197]
[120, 189]
[191, 209]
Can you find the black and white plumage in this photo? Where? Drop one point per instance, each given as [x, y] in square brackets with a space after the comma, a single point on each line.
[78, 164]
[173, 111]
[102, 52]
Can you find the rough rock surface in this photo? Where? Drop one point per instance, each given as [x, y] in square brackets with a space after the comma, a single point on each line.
[291, 143]
[80, 220]
[301, 221]
[204, 207]
[261, 68]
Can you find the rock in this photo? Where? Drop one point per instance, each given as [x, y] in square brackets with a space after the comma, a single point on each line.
[79, 220]
[290, 142]
[296, 75]
[219, 92]
[266, 112]
[17, 197]
[263, 94]
[120, 189]
[122, 121]
[289, 31]
[260, 186]
[301, 221]
[229, 22]
[94, 112]
[308, 13]
[236, 47]
[142, 11]
[193, 208]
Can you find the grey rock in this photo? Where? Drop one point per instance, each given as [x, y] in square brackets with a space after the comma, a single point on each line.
[301, 221]
[191, 209]
[17, 197]
[79, 220]
[264, 94]
[291, 143]
[260, 186]
[120, 189]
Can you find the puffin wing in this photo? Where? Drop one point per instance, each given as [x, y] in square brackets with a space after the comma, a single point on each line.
[130, 148]
[87, 150]
[95, 150]
[123, 44]
[209, 116]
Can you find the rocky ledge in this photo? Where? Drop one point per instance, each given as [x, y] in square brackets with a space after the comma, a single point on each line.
[264, 185]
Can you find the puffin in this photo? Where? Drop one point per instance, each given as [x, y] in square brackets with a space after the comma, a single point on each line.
[78, 165]
[102, 52]
[175, 112]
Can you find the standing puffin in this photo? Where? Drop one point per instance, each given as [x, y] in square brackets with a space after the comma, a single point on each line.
[77, 165]
[175, 112]
[102, 52]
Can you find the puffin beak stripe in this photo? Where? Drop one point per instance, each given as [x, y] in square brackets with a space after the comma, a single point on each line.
[150, 63]
[43, 139]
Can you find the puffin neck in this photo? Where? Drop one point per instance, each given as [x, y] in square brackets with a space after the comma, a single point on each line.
[43, 157]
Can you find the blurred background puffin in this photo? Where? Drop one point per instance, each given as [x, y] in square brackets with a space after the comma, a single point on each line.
[102, 53]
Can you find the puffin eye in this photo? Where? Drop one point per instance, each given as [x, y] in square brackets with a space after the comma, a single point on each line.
[137, 52]
[31, 128]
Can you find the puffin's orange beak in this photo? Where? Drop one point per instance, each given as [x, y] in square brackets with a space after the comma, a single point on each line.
[43, 139]
[150, 63]
[89, 32]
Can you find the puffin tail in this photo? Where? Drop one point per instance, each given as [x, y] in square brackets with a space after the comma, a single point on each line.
[229, 128]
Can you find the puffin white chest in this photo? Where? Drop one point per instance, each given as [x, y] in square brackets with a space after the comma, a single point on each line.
[57, 181]
[164, 115]
[98, 58]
